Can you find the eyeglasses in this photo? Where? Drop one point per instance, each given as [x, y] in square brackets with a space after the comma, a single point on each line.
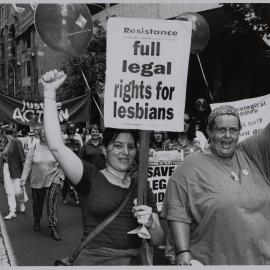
[223, 130]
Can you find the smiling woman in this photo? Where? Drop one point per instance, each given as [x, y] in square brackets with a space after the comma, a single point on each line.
[224, 135]
[102, 191]
[214, 199]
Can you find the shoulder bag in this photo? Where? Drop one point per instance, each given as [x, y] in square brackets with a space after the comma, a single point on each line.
[68, 261]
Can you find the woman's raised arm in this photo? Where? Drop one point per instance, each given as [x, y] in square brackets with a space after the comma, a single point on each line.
[69, 161]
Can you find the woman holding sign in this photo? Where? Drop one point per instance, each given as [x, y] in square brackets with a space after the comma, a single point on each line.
[102, 191]
[217, 202]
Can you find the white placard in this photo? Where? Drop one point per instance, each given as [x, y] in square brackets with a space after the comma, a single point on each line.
[254, 114]
[147, 65]
[160, 169]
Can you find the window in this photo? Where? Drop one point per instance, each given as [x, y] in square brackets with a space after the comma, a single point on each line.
[1, 14]
[28, 69]
[1, 51]
[2, 71]
[28, 41]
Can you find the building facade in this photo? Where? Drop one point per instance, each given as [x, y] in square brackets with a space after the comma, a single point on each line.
[23, 55]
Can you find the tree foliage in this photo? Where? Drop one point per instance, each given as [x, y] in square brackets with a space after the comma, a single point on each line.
[92, 64]
[249, 25]
[249, 17]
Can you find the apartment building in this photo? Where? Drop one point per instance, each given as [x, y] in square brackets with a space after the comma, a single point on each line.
[23, 55]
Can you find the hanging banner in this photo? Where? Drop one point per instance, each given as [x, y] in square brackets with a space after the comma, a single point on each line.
[160, 168]
[147, 65]
[253, 112]
[21, 111]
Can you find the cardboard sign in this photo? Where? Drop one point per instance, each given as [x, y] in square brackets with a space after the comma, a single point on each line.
[253, 112]
[160, 171]
[147, 65]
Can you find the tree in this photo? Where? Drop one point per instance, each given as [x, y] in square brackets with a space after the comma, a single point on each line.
[248, 27]
[93, 64]
[249, 17]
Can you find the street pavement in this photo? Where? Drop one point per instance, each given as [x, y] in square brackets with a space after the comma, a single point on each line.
[21, 246]
[6, 254]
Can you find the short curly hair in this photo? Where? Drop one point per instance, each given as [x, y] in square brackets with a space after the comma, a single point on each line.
[222, 110]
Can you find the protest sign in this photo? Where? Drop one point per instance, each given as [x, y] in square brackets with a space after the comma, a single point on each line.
[159, 171]
[253, 112]
[147, 65]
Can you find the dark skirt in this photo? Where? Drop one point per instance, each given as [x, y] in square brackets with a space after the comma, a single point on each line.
[107, 256]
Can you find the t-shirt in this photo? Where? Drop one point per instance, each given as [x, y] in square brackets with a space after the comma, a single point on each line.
[93, 154]
[98, 199]
[73, 144]
[229, 218]
[42, 167]
[185, 149]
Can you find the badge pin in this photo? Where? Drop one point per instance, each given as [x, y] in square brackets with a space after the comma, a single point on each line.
[245, 172]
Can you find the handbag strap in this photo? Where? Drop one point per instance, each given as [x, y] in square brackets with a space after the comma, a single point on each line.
[101, 226]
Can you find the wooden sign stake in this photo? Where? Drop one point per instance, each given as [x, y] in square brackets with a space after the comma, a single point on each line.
[143, 165]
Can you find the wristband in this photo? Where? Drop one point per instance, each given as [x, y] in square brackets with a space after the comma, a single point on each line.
[182, 251]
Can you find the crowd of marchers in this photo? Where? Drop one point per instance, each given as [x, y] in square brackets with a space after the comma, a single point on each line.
[216, 205]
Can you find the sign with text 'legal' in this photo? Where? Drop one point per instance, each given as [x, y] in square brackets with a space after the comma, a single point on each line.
[147, 65]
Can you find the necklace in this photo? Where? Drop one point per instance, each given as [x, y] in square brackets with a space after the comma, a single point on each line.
[116, 176]
[236, 177]
[116, 180]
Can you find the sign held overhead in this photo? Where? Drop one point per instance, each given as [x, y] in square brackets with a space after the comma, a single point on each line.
[147, 65]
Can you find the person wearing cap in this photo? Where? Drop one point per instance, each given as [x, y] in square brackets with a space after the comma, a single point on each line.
[217, 202]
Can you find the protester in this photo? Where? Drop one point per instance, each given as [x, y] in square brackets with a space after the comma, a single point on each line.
[183, 141]
[13, 164]
[45, 179]
[91, 151]
[75, 145]
[86, 135]
[101, 192]
[3, 143]
[157, 139]
[28, 140]
[217, 202]
[78, 136]
[200, 139]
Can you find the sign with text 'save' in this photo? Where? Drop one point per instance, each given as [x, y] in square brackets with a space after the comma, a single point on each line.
[147, 65]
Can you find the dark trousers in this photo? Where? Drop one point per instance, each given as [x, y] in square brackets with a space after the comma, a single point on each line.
[38, 196]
